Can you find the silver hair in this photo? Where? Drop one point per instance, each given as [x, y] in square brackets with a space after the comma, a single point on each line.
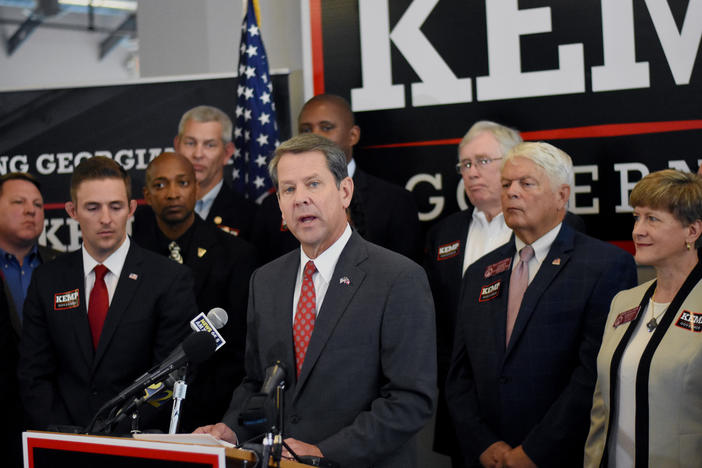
[555, 162]
[506, 137]
[204, 114]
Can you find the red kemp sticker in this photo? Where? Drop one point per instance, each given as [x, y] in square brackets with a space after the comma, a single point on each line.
[499, 267]
[627, 316]
[491, 291]
[66, 300]
[690, 321]
[449, 250]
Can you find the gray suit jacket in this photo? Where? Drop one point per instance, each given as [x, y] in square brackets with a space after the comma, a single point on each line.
[368, 383]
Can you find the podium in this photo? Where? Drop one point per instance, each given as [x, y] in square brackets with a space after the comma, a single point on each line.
[51, 449]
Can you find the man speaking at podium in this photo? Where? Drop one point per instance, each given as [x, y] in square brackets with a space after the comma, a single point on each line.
[352, 322]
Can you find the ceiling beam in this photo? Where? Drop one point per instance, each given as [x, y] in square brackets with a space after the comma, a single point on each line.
[127, 28]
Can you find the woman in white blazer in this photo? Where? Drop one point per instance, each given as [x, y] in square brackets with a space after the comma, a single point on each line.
[647, 405]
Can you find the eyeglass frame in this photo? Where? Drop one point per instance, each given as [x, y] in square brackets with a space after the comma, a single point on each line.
[481, 162]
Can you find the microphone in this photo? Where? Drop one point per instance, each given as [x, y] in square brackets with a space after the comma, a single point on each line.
[218, 317]
[275, 374]
[195, 349]
[215, 318]
[257, 412]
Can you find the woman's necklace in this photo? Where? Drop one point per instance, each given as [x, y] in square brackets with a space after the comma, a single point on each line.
[653, 323]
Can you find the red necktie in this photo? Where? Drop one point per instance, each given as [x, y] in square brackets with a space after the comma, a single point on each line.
[99, 303]
[304, 316]
[518, 282]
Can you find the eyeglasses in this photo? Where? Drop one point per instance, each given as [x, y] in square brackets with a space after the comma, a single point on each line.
[479, 163]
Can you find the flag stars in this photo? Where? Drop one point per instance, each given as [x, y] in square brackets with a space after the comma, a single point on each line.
[253, 30]
[248, 93]
[251, 51]
[262, 139]
[258, 181]
[265, 98]
[239, 90]
[264, 118]
[247, 115]
[237, 132]
[239, 110]
[261, 160]
[250, 72]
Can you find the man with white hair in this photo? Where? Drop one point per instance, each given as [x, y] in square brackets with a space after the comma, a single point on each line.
[529, 323]
[460, 239]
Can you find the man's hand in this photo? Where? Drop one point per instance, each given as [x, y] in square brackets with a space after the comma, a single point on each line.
[219, 431]
[301, 449]
[493, 456]
[517, 458]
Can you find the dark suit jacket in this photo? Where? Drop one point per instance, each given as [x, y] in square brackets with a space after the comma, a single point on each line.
[11, 427]
[445, 273]
[538, 391]
[221, 264]
[367, 385]
[62, 380]
[381, 212]
[232, 212]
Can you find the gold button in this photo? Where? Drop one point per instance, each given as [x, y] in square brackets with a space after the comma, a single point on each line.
[218, 220]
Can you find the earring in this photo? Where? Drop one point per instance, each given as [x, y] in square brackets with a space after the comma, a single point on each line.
[689, 247]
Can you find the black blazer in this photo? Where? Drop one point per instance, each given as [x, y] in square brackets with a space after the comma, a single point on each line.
[381, 212]
[62, 380]
[221, 265]
[538, 391]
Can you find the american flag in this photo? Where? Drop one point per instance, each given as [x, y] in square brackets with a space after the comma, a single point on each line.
[256, 130]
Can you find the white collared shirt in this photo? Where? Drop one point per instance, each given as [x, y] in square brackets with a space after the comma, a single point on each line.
[484, 236]
[351, 168]
[541, 247]
[325, 263]
[204, 205]
[114, 264]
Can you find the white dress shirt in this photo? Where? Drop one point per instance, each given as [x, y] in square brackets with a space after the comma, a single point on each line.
[484, 236]
[113, 263]
[325, 263]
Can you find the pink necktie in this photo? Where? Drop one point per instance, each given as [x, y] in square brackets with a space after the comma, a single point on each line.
[304, 316]
[99, 303]
[518, 282]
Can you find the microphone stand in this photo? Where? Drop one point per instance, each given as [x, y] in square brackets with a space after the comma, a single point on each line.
[277, 430]
[180, 388]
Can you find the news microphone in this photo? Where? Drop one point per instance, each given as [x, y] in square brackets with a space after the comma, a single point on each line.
[204, 323]
[275, 374]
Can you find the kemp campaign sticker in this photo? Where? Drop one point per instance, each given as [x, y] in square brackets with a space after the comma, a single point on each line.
[498, 267]
[690, 321]
[491, 291]
[627, 316]
[449, 250]
[67, 300]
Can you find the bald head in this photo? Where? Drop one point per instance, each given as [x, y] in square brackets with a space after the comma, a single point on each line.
[165, 157]
[330, 116]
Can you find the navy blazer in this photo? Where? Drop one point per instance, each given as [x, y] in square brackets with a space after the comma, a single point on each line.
[367, 385]
[537, 391]
[63, 381]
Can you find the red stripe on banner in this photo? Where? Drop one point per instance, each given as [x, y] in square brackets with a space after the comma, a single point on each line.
[591, 131]
[125, 451]
[317, 49]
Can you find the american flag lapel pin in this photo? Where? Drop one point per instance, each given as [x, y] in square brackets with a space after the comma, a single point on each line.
[556, 261]
[345, 280]
[133, 276]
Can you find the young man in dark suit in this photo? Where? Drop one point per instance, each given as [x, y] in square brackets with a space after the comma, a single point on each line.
[352, 322]
[221, 265]
[381, 212]
[529, 324]
[98, 318]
